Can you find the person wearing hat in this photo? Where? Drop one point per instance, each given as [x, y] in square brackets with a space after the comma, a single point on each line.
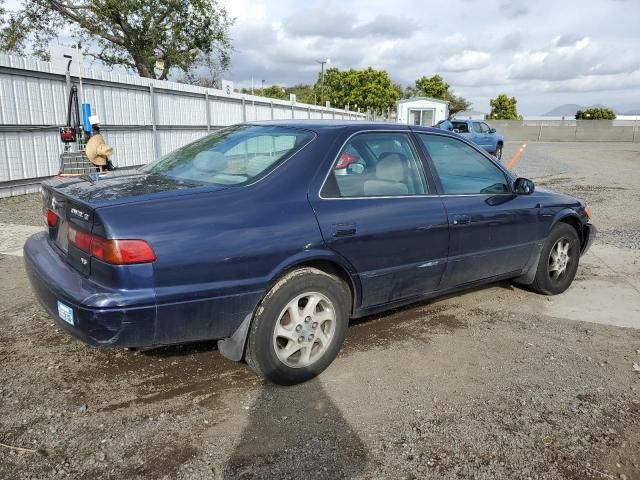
[97, 150]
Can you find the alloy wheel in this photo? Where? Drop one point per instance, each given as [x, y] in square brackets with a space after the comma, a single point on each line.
[559, 259]
[304, 330]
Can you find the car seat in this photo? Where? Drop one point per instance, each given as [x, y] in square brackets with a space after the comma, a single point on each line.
[390, 177]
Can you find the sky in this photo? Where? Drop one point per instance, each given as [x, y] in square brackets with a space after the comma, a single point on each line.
[545, 53]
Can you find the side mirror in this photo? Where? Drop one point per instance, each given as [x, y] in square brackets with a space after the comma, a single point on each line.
[492, 130]
[523, 186]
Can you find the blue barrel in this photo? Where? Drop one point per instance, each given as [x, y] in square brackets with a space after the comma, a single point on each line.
[86, 113]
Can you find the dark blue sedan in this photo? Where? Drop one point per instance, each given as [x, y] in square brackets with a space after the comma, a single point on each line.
[270, 236]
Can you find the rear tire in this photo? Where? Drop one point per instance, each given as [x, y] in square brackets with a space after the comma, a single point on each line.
[558, 262]
[299, 326]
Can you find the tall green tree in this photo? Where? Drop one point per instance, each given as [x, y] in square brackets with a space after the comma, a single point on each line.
[367, 89]
[436, 87]
[151, 37]
[595, 113]
[503, 107]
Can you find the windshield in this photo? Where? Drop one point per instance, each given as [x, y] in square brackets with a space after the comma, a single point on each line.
[232, 156]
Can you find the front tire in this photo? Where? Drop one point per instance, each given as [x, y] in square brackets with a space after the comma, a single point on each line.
[498, 152]
[299, 326]
[558, 262]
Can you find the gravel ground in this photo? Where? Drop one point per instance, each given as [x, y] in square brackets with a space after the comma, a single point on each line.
[493, 383]
[22, 210]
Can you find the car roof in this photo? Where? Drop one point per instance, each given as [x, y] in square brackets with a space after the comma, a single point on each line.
[351, 125]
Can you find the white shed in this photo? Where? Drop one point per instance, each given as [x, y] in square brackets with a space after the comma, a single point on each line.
[422, 111]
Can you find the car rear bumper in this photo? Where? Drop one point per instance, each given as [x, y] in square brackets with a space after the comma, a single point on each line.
[53, 281]
[133, 317]
[589, 233]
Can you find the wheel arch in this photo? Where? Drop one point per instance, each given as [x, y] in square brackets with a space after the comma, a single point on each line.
[326, 261]
[571, 219]
[234, 347]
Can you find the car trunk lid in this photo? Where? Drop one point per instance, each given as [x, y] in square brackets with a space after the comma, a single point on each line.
[76, 200]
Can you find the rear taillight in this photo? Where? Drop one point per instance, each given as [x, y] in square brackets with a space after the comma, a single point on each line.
[116, 252]
[80, 239]
[122, 252]
[345, 160]
[50, 217]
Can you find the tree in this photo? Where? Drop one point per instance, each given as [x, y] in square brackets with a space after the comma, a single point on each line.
[436, 87]
[274, 91]
[367, 89]
[503, 108]
[595, 113]
[151, 37]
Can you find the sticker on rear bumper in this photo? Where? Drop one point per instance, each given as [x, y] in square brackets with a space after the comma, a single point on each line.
[65, 312]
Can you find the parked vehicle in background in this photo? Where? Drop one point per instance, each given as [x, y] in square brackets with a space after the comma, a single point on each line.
[270, 236]
[478, 132]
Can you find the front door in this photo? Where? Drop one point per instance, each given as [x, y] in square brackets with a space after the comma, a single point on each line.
[377, 210]
[492, 231]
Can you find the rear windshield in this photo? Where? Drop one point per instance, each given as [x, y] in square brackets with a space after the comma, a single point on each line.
[462, 127]
[235, 155]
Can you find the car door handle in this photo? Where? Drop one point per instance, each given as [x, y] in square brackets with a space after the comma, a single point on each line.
[461, 219]
[344, 229]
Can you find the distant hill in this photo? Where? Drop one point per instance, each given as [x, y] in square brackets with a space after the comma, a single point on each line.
[570, 109]
[566, 110]
[635, 111]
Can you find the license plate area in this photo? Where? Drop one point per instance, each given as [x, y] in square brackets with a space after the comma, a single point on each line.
[65, 312]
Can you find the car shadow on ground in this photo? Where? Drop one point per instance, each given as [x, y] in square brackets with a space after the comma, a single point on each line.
[296, 432]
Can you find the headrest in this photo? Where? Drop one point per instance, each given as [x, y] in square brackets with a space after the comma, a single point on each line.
[390, 168]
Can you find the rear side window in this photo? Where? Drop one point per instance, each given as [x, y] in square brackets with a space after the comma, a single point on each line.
[462, 127]
[461, 169]
[376, 165]
[232, 156]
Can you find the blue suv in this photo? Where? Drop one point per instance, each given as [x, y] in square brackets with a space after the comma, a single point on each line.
[478, 132]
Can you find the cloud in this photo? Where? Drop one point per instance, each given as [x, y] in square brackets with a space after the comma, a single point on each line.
[567, 40]
[388, 26]
[511, 41]
[580, 58]
[330, 23]
[320, 22]
[467, 60]
[514, 8]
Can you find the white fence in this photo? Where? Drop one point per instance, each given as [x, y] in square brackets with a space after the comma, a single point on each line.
[141, 118]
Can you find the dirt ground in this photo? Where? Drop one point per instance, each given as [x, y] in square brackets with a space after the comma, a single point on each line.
[493, 383]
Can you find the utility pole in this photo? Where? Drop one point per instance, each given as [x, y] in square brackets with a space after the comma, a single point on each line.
[262, 89]
[322, 64]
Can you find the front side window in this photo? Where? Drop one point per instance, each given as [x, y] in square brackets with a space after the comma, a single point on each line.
[477, 127]
[236, 155]
[461, 169]
[376, 165]
[484, 128]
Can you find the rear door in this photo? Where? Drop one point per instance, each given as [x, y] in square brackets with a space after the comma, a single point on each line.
[384, 217]
[492, 231]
